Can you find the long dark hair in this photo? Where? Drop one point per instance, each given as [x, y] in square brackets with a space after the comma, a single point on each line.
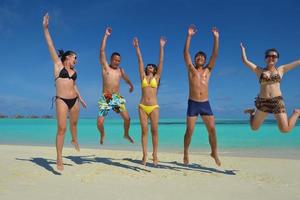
[62, 54]
[154, 66]
[155, 70]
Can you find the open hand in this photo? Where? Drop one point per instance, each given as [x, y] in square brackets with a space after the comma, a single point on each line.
[242, 47]
[135, 42]
[192, 30]
[162, 41]
[46, 20]
[215, 32]
[83, 103]
[108, 31]
[131, 89]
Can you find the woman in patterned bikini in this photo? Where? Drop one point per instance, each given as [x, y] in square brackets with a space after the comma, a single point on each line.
[270, 99]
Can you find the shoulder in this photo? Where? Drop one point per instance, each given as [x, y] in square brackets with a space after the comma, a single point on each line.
[121, 70]
[280, 70]
[207, 68]
[259, 70]
[191, 67]
[58, 67]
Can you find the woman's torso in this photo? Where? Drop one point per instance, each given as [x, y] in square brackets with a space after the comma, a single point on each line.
[270, 83]
[65, 82]
[149, 90]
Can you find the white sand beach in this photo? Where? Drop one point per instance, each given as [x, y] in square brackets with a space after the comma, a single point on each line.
[29, 172]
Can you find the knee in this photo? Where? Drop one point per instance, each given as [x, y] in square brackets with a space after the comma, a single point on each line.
[144, 131]
[154, 131]
[284, 130]
[127, 119]
[100, 122]
[189, 132]
[61, 130]
[254, 128]
[73, 123]
[211, 130]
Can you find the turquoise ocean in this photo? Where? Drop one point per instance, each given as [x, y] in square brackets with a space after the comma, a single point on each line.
[234, 136]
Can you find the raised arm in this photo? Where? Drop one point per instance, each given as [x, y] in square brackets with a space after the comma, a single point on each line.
[127, 80]
[103, 60]
[139, 56]
[287, 67]
[162, 43]
[79, 96]
[249, 64]
[186, 52]
[54, 56]
[215, 51]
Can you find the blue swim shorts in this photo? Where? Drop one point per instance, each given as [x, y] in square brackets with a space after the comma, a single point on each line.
[196, 108]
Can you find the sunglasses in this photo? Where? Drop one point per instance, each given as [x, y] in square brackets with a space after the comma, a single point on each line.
[271, 56]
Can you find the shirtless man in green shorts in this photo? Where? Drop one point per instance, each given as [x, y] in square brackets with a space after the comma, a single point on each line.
[111, 98]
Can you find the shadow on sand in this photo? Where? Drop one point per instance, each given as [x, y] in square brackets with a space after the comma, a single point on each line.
[179, 166]
[44, 163]
[108, 161]
[80, 160]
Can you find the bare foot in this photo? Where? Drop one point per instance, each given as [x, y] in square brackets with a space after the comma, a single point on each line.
[251, 111]
[216, 158]
[127, 137]
[155, 160]
[59, 165]
[102, 138]
[144, 160]
[76, 145]
[186, 159]
[297, 111]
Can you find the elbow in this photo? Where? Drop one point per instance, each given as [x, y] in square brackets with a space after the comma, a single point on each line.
[244, 61]
[185, 49]
[216, 54]
[185, 54]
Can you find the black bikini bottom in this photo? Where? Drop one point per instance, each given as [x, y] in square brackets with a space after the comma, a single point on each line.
[69, 102]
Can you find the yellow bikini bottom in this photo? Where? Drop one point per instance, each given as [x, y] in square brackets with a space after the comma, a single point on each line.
[148, 109]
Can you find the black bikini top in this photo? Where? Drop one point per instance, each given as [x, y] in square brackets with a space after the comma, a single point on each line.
[65, 74]
[269, 79]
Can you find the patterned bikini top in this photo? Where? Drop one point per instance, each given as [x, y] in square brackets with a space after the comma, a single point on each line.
[269, 78]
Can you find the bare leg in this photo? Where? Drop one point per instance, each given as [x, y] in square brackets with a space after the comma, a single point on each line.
[144, 126]
[100, 126]
[154, 116]
[61, 115]
[126, 119]
[74, 113]
[285, 125]
[256, 118]
[190, 126]
[210, 126]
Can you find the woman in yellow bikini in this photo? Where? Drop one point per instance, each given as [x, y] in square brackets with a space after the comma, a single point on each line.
[270, 99]
[148, 107]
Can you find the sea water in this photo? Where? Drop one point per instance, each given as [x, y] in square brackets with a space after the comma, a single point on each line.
[233, 135]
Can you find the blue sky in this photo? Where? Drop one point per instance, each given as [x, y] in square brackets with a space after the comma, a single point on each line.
[26, 78]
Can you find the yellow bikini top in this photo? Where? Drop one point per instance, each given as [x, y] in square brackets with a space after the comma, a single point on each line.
[152, 83]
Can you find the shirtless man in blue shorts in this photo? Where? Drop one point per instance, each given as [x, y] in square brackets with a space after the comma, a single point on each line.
[198, 103]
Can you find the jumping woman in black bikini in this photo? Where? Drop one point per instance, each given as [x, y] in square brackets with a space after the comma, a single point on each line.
[67, 94]
[270, 98]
